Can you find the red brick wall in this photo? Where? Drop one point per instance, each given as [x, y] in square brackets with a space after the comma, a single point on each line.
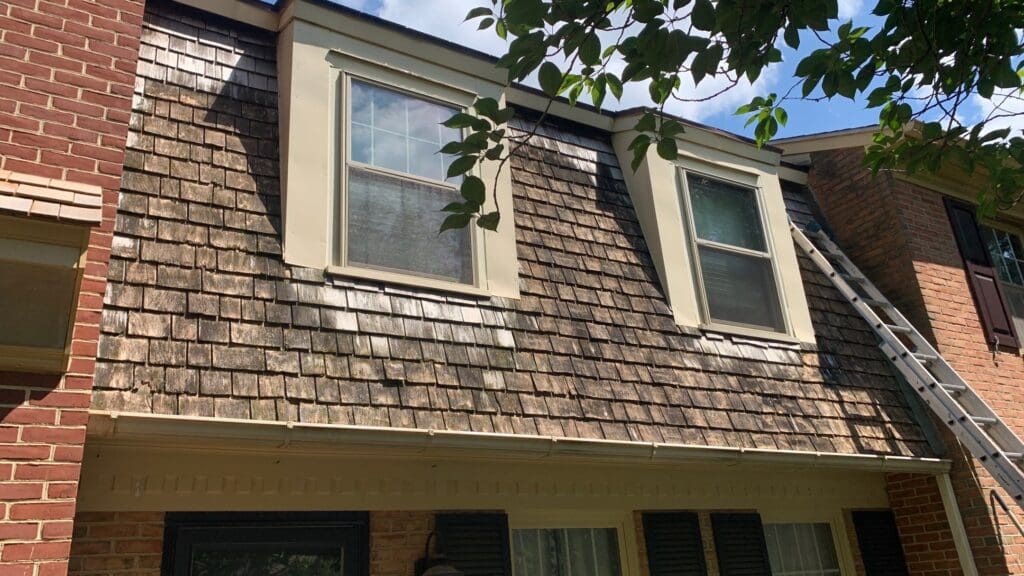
[67, 72]
[924, 530]
[900, 236]
[397, 540]
[112, 543]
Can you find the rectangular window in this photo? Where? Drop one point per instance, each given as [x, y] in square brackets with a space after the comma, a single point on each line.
[735, 271]
[279, 544]
[1008, 259]
[801, 550]
[397, 186]
[40, 268]
[566, 552]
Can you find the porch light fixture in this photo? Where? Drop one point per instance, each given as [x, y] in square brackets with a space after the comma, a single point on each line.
[433, 564]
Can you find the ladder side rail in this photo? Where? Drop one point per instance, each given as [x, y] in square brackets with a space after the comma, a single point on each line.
[979, 442]
[971, 435]
[969, 398]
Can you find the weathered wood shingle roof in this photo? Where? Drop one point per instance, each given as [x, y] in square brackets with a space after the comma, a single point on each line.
[204, 318]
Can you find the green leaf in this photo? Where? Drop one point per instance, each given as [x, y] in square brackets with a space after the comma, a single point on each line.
[781, 116]
[455, 222]
[668, 149]
[485, 23]
[478, 12]
[455, 207]
[590, 50]
[489, 221]
[646, 123]
[473, 190]
[460, 120]
[461, 165]
[703, 15]
[792, 36]
[486, 107]
[550, 79]
[614, 85]
[456, 147]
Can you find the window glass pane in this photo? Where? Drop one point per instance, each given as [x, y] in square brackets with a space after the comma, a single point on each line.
[801, 550]
[399, 132]
[565, 552]
[740, 289]
[393, 224]
[362, 144]
[1005, 250]
[35, 304]
[725, 213]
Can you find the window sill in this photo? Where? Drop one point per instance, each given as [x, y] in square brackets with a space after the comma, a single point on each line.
[408, 281]
[32, 359]
[752, 333]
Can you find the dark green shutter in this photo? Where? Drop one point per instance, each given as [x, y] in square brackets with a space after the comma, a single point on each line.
[740, 545]
[879, 542]
[674, 545]
[476, 544]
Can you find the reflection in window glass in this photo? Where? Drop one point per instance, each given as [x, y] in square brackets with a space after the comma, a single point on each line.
[565, 552]
[399, 132]
[801, 550]
[736, 270]
[1008, 260]
[263, 560]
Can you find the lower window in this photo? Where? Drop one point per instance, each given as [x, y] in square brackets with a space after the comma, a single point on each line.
[566, 552]
[801, 549]
[321, 544]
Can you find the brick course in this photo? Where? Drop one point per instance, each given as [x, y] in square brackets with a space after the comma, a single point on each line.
[899, 234]
[66, 80]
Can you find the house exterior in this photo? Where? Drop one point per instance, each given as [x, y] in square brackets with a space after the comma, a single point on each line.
[955, 274]
[638, 373]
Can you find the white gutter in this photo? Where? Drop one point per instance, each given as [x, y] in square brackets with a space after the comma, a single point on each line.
[181, 431]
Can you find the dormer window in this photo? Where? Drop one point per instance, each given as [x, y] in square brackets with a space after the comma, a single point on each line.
[734, 270]
[396, 187]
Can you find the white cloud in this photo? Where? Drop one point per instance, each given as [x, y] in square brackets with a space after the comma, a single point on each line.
[1006, 110]
[849, 8]
[444, 19]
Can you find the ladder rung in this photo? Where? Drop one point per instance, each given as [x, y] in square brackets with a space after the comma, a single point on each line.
[853, 277]
[1018, 456]
[899, 329]
[878, 303]
[954, 388]
[983, 420]
[924, 358]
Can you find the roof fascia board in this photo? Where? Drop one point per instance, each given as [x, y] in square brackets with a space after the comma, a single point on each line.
[155, 429]
[708, 138]
[244, 11]
[856, 138]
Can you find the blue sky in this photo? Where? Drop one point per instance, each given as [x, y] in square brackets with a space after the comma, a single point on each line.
[444, 18]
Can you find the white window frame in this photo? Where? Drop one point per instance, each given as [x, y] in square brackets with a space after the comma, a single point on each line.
[348, 69]
[622, 523]
[748, 181]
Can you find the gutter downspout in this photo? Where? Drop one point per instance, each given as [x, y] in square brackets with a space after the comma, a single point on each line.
[956, 525]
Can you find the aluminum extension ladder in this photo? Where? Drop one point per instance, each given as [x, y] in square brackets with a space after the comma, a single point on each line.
[948, 395]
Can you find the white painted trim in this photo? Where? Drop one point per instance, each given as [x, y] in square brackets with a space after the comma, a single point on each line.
[956, 525]
[240, 435]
